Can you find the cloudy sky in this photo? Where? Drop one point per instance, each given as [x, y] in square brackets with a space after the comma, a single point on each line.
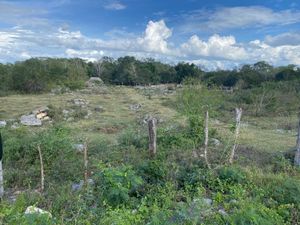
[214, 34]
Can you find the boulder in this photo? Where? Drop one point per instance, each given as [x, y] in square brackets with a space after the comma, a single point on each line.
[3, 123]
[94, 82]
[30, 120]
[36, 210]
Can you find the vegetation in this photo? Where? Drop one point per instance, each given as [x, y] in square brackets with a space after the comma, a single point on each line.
[129, 186]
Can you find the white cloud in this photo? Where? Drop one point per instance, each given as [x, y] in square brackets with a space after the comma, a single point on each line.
[155, 37]
[216, 52]
[283, 39]
[217, 46]
[115, 6]
[238, 17]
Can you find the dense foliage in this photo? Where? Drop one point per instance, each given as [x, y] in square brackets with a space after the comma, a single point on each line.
[41, 74]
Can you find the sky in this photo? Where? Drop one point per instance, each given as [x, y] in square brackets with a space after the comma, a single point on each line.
[213, 34]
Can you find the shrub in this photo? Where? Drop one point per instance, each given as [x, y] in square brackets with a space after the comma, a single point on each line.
[232, 175]
[117, 185]
[153, 172]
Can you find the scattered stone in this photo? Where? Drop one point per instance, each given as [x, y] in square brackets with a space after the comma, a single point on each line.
[207, 201]
[36, 210]
[79, 147]
[30, 120]
[222, 212]
[99, 109]
[3, 123]
[89, 113]
[281, 131]
[79, 186]
[215, 141]
[70, 119]
[135, 107]
[15, 125]
[80, 102]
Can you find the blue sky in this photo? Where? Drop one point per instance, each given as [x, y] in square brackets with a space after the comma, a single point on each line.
[214, 34]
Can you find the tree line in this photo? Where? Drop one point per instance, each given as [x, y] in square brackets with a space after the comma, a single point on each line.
[37, 75]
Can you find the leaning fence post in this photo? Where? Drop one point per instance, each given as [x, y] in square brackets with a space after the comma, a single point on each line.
[238, 116]
[42, 169]
[152, 136]
[297, 154]
[1, 169]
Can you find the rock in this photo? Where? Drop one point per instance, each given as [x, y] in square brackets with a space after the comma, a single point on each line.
[94, 82]
[80, 102]
[89, 113]
[222, 212]
[79, 147]
[99, 109]
[135, 107]
[215, 141]
[208, 201]
[30, 120]
[15, 125]
[281, 131]
[79, 186]
[43, 109]
[70, 119]
[3, 123]
[36, 210]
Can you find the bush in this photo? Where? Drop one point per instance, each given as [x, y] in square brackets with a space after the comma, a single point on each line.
[153, 172]
[233, 175]
[117, 185]
[284, 190]
[254, 213]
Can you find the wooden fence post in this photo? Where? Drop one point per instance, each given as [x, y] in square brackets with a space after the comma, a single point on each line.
[152, 136]
[1, 169]
[85, 158]
[206, 140]
[42, 169]
[238, 112]
[297, 154]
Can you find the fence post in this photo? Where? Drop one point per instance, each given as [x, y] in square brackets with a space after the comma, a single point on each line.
[1, 169]
[206, 140]
[238, 112]
[85, 158]
[152, 136]
[42, 169]
[297, 154]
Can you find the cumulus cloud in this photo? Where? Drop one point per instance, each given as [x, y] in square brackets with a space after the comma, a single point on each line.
[217, 46]
[238, 17]
[214, 52]
[155, 37]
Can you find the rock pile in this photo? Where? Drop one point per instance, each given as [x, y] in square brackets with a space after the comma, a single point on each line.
[41, 113]
[36, 117]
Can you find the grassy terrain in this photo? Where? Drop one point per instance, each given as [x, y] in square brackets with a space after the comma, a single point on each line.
[118, 157]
